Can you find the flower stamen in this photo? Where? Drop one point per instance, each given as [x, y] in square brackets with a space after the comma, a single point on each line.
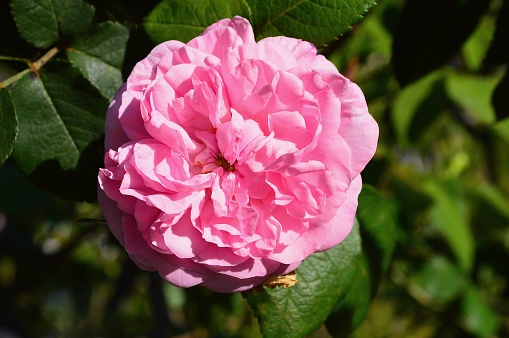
[222, 162]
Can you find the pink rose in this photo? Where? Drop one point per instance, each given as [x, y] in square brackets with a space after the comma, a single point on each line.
[229, 160]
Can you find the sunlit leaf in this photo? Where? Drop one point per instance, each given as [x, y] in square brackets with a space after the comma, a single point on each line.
[316, 21]
[99, 54]
[416, 106]
[312, 20]
[183, 20]
[473, 94]
[475, 48]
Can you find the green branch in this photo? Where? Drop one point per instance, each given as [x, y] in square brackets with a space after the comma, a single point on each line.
[34, 66]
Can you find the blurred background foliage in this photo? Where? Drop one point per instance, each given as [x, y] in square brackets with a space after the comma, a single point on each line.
[435, 77]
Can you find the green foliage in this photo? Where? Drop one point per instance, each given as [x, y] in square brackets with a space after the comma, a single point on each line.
[416, 106]
[325, 278]
[449, 219]
[337, 284]
[36, 21]
[430, 261]
[316, 21]
[183, 19]
[59, 114]
[478, 316]
[8, 125]
[473, 94]
[98, 54]
[59, 105]
[73, 16]
[378, 233]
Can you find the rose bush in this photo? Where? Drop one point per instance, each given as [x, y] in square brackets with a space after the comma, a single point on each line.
[229, 160]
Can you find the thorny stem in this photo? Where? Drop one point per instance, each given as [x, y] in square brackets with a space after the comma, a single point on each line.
[34, 66]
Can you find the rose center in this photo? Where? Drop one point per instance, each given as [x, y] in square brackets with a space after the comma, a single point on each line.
[222, 162]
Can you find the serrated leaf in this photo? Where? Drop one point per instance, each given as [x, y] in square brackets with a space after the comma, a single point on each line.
[59, 114]
[316, 21]
[324, 278]
[74, 16]
[36, 21]
[99, 54]
[378, 231]
[41, 22]
[8, 125]
[349, 312]
[183, 20]
[342, 279]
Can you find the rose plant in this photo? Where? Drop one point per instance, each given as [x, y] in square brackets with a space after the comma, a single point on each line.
[230, 160]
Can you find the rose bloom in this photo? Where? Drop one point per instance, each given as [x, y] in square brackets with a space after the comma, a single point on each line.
[229, 160]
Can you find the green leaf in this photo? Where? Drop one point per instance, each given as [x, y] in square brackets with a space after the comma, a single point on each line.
[498, 53]
[478, 316]
[59, 114]
[183, 20]
[342, 279]
[475, 48]
[316, 21]
[349, 313]
[36, 21]
[74, 16]
[499, 100]
[378, 228]
[449, 218]
[416, 106]
[378, 231]
[99, 54]
[495, 198]
[408, 191]
[438, 281]
[473, 94]
[41, 22]
[325, 278]
[8, 125]
[369, 38]
[502, 129]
